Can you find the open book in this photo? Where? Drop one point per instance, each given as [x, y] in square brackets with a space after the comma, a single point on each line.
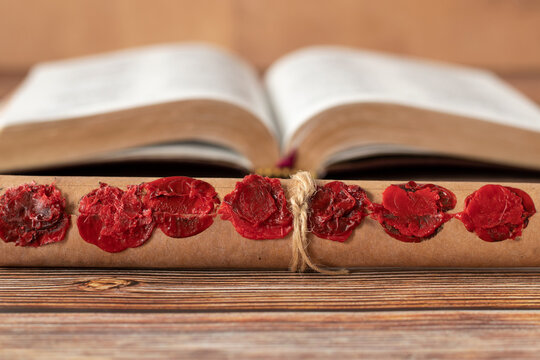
[316, 107]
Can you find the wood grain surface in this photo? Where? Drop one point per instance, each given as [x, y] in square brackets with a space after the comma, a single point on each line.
[268, 335]
[46, 290]
[149, 314]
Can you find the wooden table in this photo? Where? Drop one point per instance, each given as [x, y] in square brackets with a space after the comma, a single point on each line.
[149, 314]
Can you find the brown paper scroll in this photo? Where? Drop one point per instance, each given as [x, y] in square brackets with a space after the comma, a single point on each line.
[220, 246]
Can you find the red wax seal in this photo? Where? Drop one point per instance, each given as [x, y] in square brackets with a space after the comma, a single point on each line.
[413, 212]
[336, 209]
[496, 212]
[181, 206]
[257, 208]
[113, 219]
[33, 215]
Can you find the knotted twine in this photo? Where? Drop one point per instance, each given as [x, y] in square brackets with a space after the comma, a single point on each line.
[302, 189]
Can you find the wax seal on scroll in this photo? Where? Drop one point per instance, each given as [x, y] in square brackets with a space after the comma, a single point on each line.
[336, 209]
[181, 206]
[257, 208]
[413, 212]
[496, 212]
[33, 215]
[113, 219]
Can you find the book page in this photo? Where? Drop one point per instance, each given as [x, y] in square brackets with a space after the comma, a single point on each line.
[312, 80]
[185, 151]
[134, 78]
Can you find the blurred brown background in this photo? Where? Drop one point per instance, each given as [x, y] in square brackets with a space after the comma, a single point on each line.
[501, 35]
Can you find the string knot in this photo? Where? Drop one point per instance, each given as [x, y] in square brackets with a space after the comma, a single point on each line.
[302, 189]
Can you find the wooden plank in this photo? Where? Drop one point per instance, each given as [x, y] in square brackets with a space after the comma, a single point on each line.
[8, 83]
[392, 335]
[498, 35]
[528, 84]
[33, 30]
[178, 291]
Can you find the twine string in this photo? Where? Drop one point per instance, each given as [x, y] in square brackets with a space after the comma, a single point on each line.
[302, 189]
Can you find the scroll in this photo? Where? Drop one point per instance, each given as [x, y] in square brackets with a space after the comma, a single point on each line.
[264, 223]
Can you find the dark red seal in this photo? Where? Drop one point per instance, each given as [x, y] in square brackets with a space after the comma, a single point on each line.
[113, 219]
[336, 209]
[181, 206]
[414, 212]
[496, 212]
[257, 208]
[33, 215]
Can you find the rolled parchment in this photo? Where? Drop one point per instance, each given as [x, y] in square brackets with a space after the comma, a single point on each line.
[221, 246]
